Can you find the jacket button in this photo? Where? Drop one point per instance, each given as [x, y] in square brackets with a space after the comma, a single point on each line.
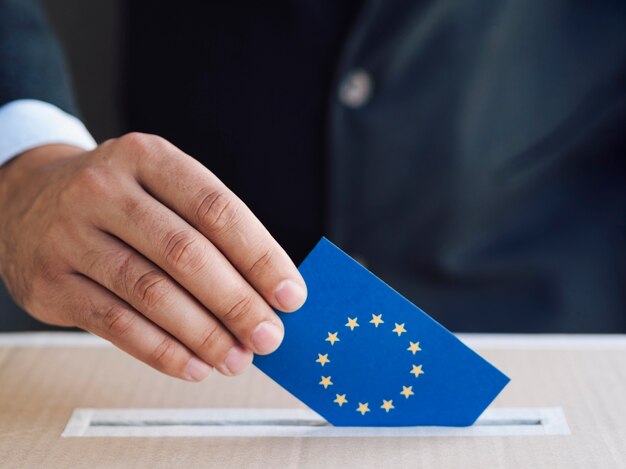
[356, 89]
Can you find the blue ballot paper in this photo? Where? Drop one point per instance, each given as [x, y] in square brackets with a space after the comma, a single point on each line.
[360, 354]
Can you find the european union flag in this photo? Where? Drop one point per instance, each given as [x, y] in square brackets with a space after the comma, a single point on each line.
[360, 354]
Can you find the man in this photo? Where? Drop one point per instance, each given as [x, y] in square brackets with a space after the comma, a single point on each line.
[470, 153]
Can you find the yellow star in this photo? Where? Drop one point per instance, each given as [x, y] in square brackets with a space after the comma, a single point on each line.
[387, 405]
[399, 329]
[377, 319]
[322, 359]
[326, 382]
[414, 347]
[352, 323]
[341, 399]
[417, 370]
[407, 391]
[332, 338]
[363, 408]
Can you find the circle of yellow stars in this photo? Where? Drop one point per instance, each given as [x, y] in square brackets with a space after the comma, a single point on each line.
[363, 407]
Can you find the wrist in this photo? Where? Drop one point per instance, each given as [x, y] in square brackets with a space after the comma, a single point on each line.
[16, 170]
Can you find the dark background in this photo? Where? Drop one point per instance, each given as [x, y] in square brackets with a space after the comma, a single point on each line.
[92, 35]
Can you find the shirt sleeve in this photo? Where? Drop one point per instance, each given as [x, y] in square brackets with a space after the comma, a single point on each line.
[29, 123]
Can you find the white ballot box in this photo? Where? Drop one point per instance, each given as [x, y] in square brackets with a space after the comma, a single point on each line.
[73, 400]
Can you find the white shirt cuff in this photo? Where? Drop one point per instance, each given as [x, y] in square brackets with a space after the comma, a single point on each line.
[29, 123]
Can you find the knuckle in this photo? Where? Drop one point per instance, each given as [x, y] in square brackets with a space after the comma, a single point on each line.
[183, 252]
[162, 355]
[216, 211]
[141, 145]
[134, 208]
[79, 317]
[48, 270]
[263, 264]
[83, 314]
[210, 338]
[135, 139]
[119, 268]
[108, 142]
[239, 311]
[151, 289]
[117, 320]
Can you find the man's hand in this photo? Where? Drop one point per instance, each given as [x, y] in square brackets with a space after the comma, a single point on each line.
[139, 243]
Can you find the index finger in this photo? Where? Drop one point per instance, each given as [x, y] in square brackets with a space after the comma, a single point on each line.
[197, 195]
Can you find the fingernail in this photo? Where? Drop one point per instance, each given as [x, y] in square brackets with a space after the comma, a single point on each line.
[267, 337]
[290, 295]
[197, 370]
[237, 360]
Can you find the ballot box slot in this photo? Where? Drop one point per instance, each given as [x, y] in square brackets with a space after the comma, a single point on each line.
[170, 423]
[278, 422]
[507, 422]
[527, 421]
